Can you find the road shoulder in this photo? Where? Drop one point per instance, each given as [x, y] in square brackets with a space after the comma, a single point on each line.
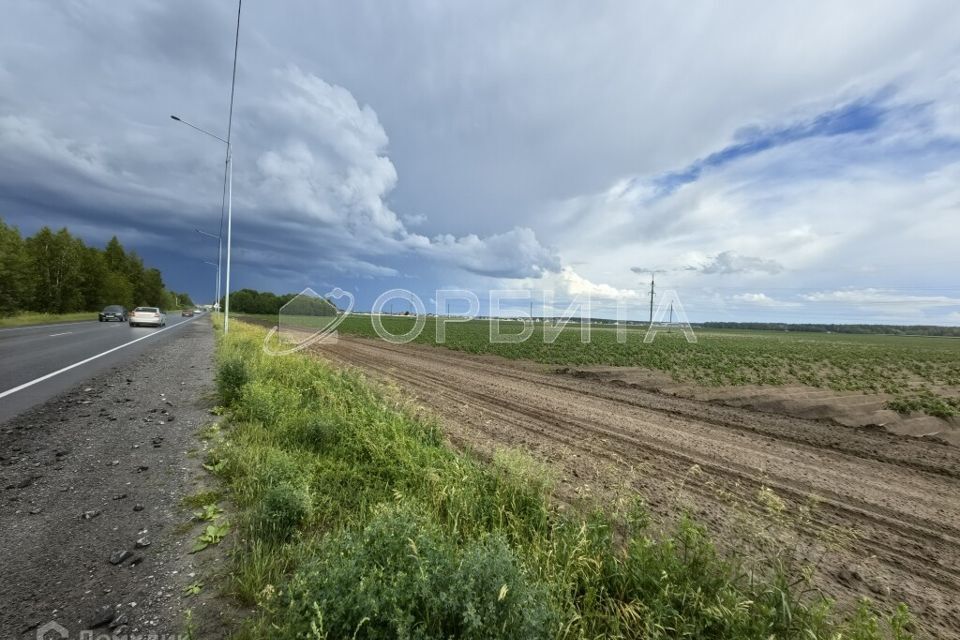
[95, 534]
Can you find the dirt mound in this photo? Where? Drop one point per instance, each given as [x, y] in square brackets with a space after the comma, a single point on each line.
[850, 408]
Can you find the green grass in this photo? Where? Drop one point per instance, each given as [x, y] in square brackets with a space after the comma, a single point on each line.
[202, 499]
[24, 319]
[353, 519]
[921, 373]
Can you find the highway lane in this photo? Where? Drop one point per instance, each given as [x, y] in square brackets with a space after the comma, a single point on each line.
[31, 353]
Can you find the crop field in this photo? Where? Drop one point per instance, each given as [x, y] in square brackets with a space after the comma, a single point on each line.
[838, 497]
[921, 373]
[355, 519]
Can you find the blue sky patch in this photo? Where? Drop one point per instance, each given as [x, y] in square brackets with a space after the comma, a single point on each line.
[861, 116]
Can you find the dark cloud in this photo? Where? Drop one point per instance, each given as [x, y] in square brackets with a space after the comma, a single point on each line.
[458, 142]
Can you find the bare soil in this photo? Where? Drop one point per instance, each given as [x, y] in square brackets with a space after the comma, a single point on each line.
[899, 495]
[848, 408]
[94, 535]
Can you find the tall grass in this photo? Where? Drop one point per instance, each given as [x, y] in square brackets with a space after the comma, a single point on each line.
[355, 520]
[30, 318]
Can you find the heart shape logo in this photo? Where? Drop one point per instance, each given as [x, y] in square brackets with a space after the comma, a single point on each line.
[327, 333]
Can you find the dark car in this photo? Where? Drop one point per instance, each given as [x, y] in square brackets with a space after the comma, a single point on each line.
[187, 313]
[113, 312]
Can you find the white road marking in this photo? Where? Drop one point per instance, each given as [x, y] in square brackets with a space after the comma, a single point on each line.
[23, 386]
[65, 333]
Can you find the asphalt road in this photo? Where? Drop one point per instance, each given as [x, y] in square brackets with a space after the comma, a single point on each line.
[33, 359]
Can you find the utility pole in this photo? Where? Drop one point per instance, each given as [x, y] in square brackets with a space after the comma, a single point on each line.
[651, 297]
[671, 313]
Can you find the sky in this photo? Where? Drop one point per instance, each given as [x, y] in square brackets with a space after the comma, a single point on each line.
[795, 162]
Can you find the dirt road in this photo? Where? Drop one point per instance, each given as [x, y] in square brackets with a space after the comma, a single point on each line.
[900, 494]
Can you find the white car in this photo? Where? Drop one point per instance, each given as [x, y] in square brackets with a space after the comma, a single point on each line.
[147, 316]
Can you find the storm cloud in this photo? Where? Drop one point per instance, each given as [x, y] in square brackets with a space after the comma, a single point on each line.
[500, 144]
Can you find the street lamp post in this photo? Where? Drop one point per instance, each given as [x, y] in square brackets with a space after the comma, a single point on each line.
[227, 192]
[233, 86]
[228, 177]
[215, 265]
[226, 305]
[219, 239]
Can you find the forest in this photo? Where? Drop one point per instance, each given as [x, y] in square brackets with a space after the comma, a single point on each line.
[57, 272]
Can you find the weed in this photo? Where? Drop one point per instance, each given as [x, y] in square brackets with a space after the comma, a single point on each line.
[283, 509]
[260, 565]
[202, 498]
[212, 534]
[319, 436]
[210, 432]
[208, 513]
[399, 577]
[189, 626]
[231, 376]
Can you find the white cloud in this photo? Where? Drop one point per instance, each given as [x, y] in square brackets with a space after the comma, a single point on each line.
[886, 298]
[762, 300]
[334, 169]
[332, 165]
[514, 254]
[874, 211]
[566, 284]
[730, 262]
[413, 219]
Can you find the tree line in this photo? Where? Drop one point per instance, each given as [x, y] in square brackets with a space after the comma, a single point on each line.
[887, 329]
[266, 302]
[56, 272]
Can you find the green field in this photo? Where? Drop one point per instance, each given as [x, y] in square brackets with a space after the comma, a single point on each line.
[921, 373]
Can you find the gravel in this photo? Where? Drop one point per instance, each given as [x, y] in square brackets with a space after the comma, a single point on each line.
[101, 452]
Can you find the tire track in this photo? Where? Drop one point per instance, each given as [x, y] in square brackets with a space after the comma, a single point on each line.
[857, 442]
